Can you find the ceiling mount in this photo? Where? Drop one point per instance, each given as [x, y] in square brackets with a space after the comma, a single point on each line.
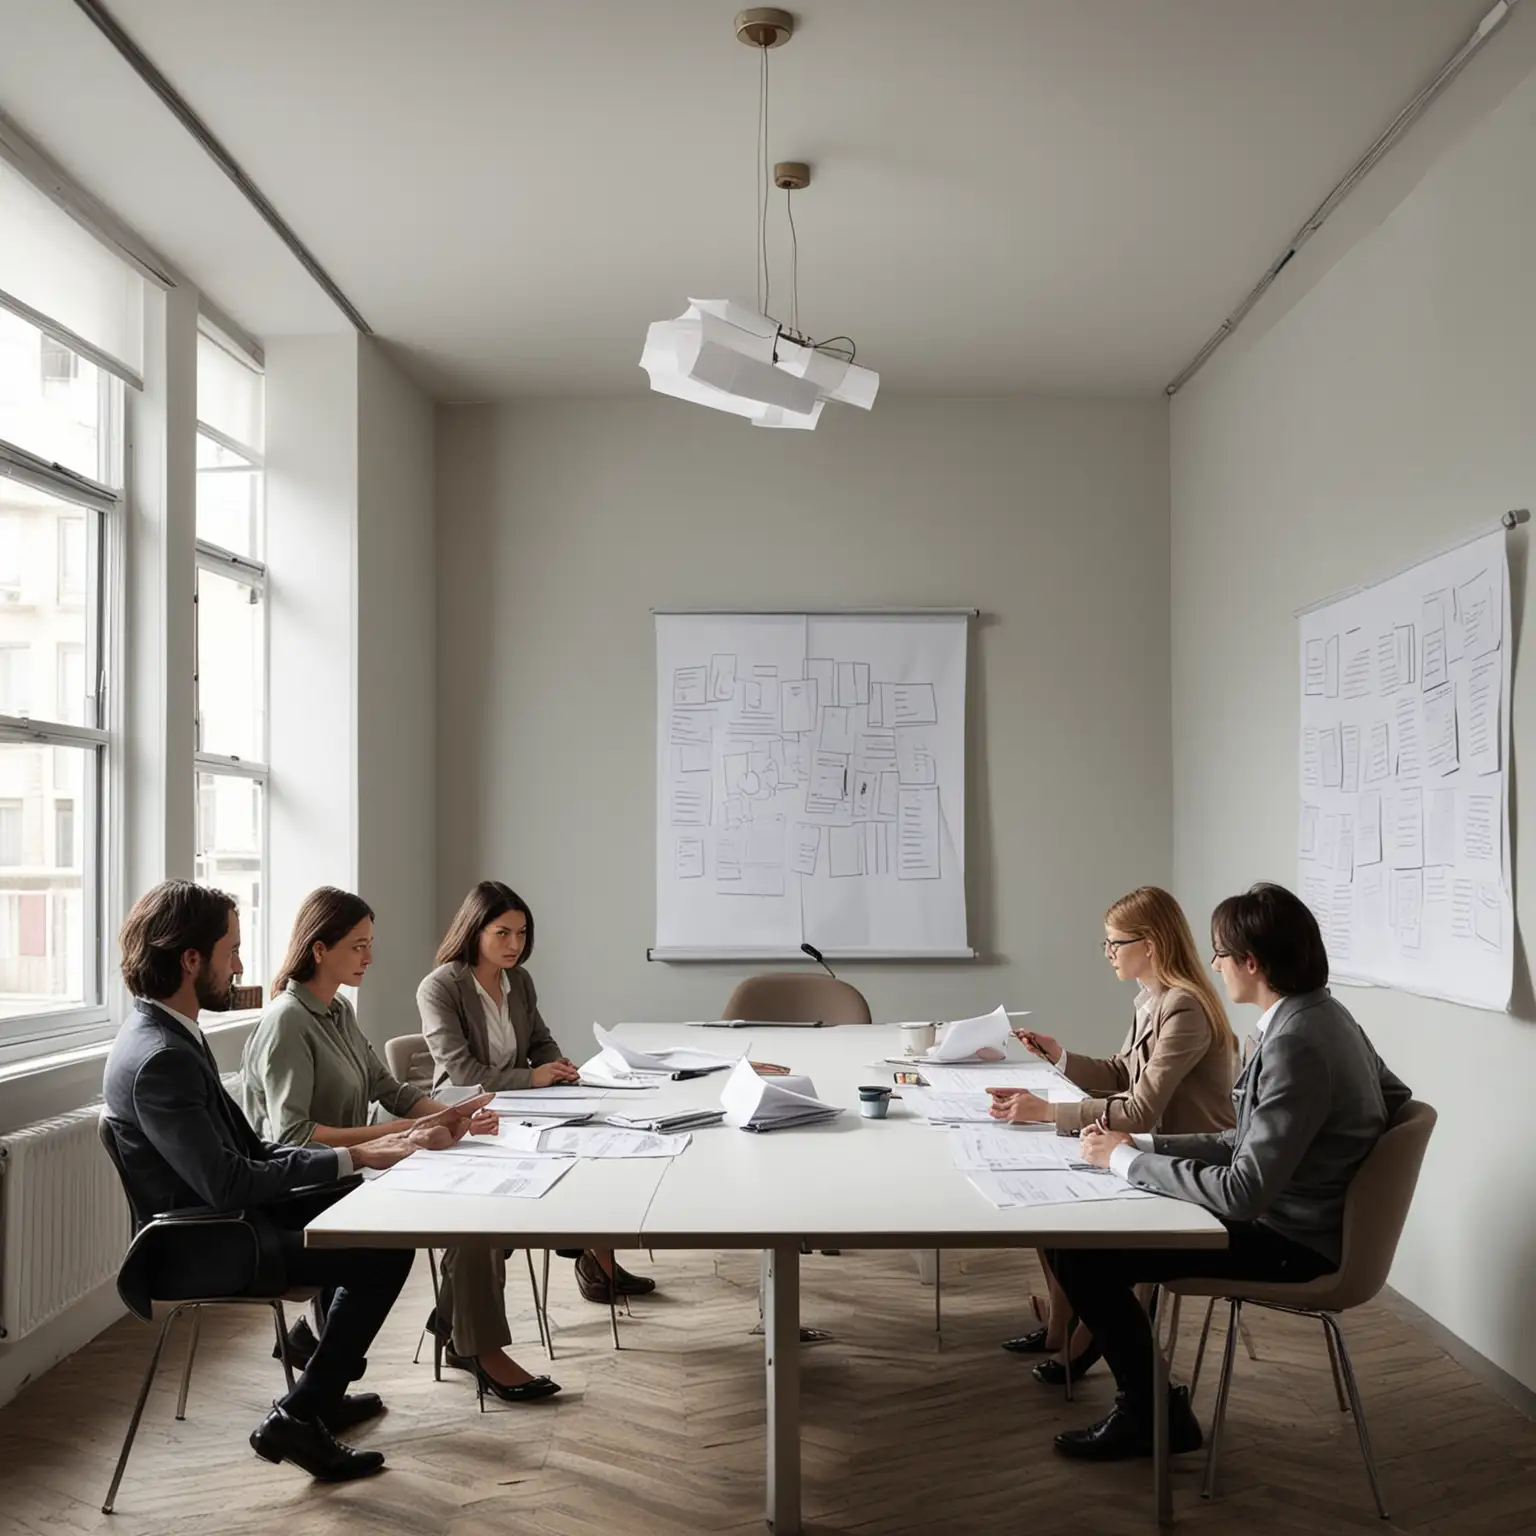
[791, 175]
[764, 27]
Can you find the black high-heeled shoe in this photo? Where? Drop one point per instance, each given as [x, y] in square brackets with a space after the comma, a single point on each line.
[1028, 1343]
[1053, 1373]
[530, 1391]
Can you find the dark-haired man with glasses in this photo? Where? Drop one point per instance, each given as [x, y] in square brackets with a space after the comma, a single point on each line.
[1311, 1102]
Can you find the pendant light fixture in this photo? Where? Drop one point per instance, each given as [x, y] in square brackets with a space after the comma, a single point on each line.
[724, 355]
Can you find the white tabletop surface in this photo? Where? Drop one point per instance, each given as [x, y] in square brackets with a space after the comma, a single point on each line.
[870, 1183]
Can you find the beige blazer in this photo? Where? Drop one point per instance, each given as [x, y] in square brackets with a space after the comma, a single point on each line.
[1171, 1075]
[453, 1021]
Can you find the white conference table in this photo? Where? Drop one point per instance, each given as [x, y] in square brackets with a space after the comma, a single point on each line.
[852, 1183]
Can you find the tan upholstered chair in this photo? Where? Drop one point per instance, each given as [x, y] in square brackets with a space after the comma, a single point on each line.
[1374, 1212]
[797, 997]
[409, 1060]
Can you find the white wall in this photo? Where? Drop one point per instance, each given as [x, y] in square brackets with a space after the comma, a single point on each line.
[561, 524]
[396, 689]
[1387, 415]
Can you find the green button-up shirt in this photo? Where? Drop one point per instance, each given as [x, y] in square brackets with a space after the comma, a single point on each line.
[306, 1065]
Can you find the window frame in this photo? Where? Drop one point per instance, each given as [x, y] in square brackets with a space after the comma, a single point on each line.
[250, 572]
[73, 1025]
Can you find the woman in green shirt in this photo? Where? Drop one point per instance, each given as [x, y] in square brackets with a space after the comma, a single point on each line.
[309, 1075]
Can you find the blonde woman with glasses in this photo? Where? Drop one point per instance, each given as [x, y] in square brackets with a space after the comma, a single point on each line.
[1174, 1074]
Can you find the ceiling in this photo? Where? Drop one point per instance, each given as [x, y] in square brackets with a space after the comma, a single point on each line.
[1009, 196]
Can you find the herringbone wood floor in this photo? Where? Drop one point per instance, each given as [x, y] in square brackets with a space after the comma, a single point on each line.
[667, 1436]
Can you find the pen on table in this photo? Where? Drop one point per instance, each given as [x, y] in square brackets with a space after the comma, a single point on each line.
[770, 1067]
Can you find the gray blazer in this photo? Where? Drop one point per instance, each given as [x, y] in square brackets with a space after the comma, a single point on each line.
[453, 1021]
[1310, 1104]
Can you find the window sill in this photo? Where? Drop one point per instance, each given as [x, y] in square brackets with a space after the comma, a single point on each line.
[28, 1066]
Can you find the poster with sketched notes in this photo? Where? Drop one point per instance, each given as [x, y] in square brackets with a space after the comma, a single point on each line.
[1403, 831]
[810, 783]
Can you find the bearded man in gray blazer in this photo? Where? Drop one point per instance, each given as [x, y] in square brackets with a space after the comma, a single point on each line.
[1311, 1102]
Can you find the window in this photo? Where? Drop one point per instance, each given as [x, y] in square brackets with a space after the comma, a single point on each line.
[231, 599]
[64, 834]
[15, 678]
[10, 833]
[60, 365]
[71, 560]
[71, 345]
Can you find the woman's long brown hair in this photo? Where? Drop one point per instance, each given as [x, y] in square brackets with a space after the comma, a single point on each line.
[484, 904]
[326, 917]
[1149, 912]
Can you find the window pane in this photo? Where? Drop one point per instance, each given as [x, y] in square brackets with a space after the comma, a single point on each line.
[231, 665]
[229, 502]
[231, 815]
[229, 395]
[51, 400]
[46, 577]
[47, 877]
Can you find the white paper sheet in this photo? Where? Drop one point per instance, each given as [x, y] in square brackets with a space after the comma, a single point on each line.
[964, 1039]
[1003, 1149]
[619, 1059]
[1422, 901]
[961, 1108]
[811, 782]
[593, 1141]
[1018, 1190]
[442, 1173]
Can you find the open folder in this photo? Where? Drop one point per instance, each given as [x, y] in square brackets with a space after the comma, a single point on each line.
[753, 1103]
[619, 1061]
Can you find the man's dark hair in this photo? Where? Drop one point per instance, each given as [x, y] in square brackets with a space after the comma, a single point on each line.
[1278, 929]
[164, 924]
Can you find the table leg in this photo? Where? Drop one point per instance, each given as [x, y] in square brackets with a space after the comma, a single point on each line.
[781, 1350]
[1162, 1486]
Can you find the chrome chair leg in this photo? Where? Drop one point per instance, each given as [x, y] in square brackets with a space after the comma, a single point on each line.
[280, 1323]
[938, 1286]
[1224, 1387]
[1205, 1333]
[138, 1408]
[1333, 1365]
[1173, 1328]
[1247, 1338]
[549, 1332]
[540, 1317]
[186, 1370]
[1347, 1366]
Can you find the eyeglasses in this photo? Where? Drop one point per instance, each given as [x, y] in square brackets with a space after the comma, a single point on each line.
[1220, 954]
[1112, 947]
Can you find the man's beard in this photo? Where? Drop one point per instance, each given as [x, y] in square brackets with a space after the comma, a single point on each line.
[209, 997]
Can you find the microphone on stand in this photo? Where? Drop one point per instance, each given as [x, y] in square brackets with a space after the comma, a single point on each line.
[815, 955]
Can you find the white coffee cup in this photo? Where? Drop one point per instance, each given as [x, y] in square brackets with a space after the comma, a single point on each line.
[916, 1038]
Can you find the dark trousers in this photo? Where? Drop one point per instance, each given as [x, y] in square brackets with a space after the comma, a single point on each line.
[1100, 1283]
[362, 1285]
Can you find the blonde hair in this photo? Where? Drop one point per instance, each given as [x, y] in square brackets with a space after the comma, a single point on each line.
[1150, 913]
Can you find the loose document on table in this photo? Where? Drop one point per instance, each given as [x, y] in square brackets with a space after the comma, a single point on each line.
[1403, 847]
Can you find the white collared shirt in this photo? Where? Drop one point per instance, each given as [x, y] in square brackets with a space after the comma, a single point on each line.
[1123, 1158]
[501, 1038]
[181, 1018]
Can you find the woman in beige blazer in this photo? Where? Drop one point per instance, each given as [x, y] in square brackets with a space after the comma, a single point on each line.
[480, 1015]
[1174, 1074]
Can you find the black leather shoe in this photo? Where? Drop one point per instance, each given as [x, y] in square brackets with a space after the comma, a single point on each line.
[631, 1285]
[280, 1437]
[1028, 1343]
[302, 1343]
[354, 1409]
[524, 1392]
[593, 1282]
[569, 1253]
[1124, 1434]
[1052, 1373]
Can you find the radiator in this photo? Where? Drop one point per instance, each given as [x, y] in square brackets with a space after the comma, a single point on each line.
[64, 1224]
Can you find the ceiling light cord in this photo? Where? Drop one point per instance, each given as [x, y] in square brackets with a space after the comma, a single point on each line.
[794, 262]
[764, 182]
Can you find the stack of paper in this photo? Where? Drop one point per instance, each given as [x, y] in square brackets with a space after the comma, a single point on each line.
[1009, 1148]
[620, 1063]
[1017, 1190]
[755, 1103]
[549, 1103]
[454, 1173]
[590, 1141]
[678, 1120]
